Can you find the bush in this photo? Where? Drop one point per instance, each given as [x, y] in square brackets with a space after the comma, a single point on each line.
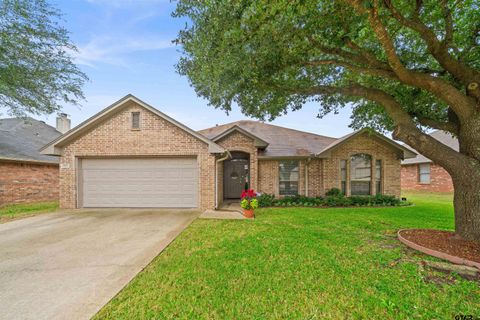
[334, 192]
[265, 200]
[339, 200]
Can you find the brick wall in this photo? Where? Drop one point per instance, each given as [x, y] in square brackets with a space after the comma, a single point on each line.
[440, 180]
[324, 174]
[377, 149]
[237, 141]
[25, 182]
[268, 176]
[315, 178]
[157, 137]
[220, 183]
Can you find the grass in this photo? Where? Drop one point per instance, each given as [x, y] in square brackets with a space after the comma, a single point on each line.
[15, 211]
[301, 263]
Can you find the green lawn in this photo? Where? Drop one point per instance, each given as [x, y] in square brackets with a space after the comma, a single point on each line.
[297, 263]
[16, 211]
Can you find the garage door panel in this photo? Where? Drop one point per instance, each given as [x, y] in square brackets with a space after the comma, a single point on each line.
[167, 182]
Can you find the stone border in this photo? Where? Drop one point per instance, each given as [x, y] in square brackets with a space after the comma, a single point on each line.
[435, 253]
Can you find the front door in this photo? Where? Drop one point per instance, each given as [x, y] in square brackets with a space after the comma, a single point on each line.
[235, 178]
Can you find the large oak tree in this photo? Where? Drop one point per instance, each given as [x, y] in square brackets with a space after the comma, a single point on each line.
[404, 65]
[37, 72]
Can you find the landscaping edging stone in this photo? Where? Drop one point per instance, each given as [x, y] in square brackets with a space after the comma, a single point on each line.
[435, 253]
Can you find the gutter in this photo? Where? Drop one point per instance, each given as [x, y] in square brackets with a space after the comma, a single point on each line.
[227, 155]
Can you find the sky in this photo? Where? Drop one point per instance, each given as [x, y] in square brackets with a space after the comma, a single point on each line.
[125, 46]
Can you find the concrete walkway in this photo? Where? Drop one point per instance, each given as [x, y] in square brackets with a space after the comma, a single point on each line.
[222, 215]
[68, 265]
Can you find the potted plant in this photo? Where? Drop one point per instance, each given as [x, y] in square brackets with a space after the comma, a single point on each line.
[249, 203]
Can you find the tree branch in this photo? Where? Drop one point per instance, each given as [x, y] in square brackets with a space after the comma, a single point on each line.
[463, 105]
[406, 130]
[438, 49]
[447, 15]
[444, 126]
[374, 72]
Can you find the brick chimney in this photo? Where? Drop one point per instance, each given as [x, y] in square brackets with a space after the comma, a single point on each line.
[63, 123]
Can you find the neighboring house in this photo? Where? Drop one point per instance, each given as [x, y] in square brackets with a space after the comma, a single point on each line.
[421, 173]
[132, 155]
[25, 174]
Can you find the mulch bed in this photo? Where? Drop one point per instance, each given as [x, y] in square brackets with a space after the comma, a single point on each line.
[444, 241]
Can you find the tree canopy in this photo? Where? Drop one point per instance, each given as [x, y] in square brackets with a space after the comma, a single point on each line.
[36, 68]
[403, 65]
[273, 56]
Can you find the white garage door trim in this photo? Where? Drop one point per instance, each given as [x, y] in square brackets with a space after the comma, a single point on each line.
[161, 182]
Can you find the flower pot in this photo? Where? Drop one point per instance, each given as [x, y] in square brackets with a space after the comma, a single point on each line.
[248, 213]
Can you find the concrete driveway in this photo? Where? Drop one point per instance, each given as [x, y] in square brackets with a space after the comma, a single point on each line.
[68, 265]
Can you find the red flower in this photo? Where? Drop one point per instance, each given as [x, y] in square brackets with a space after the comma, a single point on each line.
[250, 193]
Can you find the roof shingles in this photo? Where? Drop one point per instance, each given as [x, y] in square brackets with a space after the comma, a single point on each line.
[444, 137]
[20, 139]
[283, 142]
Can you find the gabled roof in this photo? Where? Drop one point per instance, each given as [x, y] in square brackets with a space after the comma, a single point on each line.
[54, 147]
[405, 152]
[442, 136]
[290, 143]
[282, 142]
[258, 142]
[20, 139]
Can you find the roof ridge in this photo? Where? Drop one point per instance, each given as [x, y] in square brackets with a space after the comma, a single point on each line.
[268, 124]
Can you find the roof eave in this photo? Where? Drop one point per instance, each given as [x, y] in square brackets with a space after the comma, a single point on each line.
[286, 157]
[406, 153]
[257, 142]
[33, 161]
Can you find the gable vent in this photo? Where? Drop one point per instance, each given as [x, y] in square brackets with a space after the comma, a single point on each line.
[135, 120]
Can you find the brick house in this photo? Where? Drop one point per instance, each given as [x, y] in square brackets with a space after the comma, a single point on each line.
[421, 173]
[132, 155]
[25, 174]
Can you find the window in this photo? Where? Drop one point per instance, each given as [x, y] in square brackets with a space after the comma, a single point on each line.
[360, 174]
[135, 120]
[378, 176]
[424, 173]
[288, 178]
[343, 176]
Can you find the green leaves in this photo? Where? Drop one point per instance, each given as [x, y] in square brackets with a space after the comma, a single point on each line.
[271, 57]
[36, 68]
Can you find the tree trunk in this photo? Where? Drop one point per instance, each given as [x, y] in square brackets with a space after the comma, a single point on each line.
[467, 207]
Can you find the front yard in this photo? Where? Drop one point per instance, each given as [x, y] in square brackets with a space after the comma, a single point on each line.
[297, 263]
[16, 211]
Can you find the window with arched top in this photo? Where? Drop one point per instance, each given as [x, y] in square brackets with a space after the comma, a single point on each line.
[360, 174]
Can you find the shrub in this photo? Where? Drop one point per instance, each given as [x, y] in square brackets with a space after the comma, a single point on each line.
[265, 200]
[334, 192]
[339, 200]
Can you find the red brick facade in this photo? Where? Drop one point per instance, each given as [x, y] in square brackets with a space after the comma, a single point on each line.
[112, 136]
[26, 182]
[324, 174]
[440, 180]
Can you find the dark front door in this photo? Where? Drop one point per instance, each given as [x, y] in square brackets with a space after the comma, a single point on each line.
[235, 178]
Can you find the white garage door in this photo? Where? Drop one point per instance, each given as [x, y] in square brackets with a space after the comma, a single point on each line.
[136, 183]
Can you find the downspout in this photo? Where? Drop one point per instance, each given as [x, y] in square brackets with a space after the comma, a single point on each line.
[227, 155]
